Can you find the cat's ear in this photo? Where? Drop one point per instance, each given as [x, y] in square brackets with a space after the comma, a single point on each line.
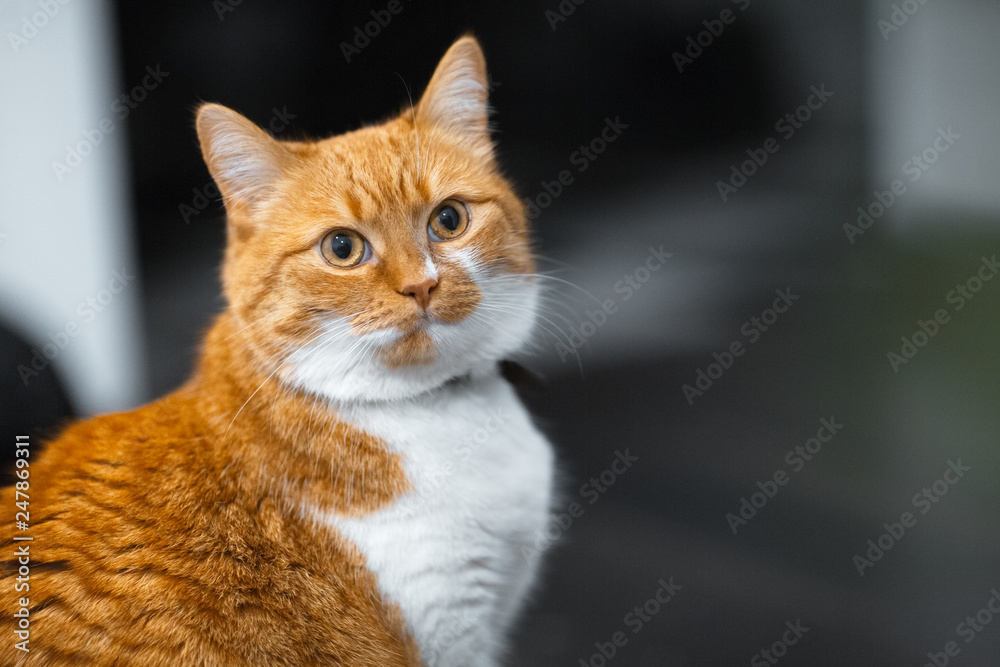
[458, 94]
[244, 160]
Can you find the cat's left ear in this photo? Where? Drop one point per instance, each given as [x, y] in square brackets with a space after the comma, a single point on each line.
[456, 98]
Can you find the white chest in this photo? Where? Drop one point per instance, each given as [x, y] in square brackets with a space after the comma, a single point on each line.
[450, 553]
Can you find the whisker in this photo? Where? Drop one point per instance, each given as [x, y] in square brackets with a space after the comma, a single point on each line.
[413, 115]
[568, 341]
[288, 358]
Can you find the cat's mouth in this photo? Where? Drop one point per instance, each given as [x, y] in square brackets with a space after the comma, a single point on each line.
[419, 322]
[403, 324]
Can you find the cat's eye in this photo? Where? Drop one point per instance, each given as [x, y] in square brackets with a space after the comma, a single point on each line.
[448, 221]
[344, 248]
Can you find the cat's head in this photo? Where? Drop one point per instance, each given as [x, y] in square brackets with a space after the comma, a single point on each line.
[379, 263]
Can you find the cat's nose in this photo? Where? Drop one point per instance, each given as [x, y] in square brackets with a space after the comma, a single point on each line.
[420, 291]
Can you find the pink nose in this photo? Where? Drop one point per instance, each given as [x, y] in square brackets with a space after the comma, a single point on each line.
[420, 291]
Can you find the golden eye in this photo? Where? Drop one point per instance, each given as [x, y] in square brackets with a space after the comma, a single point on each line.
[448, 221]
[344, 248]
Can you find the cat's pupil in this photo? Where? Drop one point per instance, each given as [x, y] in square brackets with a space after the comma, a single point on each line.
[448, 217]
[341, 246]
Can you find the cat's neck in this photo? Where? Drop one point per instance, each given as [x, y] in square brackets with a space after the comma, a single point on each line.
[285, 441]
[242, 393]
[230, 366]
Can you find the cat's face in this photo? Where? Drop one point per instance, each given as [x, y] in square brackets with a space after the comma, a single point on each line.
[383, 262]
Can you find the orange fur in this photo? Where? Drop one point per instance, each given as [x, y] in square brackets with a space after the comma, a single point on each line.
[173, 534]
[161, 539]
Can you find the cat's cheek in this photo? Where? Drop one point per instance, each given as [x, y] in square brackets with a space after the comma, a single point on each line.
[457, 302]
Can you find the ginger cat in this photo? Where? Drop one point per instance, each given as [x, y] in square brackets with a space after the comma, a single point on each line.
[346, 479]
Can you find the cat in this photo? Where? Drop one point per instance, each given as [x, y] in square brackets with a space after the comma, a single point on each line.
[346, 479]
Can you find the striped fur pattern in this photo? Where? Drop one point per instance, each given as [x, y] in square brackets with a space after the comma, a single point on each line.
[345, 479]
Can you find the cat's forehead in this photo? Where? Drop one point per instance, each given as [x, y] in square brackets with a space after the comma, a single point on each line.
[386, 174]
[373, 147]
[377, 168]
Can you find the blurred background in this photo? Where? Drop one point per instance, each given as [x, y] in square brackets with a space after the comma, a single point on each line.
[813, 186]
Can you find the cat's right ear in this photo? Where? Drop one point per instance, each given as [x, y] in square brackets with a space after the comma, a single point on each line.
[244, 160]
[457, 95]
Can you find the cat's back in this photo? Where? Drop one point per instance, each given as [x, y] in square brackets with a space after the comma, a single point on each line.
[145, 549]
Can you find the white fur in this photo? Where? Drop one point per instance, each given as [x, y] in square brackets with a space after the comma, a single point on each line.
[432, 271]
[457, 553]
[450, 552]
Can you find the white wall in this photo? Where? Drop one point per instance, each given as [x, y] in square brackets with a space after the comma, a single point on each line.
[940, 68]
[66, 238]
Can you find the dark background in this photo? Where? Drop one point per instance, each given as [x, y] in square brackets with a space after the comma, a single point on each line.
[656, 184]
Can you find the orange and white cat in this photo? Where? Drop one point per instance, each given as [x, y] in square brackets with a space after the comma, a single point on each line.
[346, 479]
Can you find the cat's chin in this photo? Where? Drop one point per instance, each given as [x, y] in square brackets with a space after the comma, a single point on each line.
[455, 354]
